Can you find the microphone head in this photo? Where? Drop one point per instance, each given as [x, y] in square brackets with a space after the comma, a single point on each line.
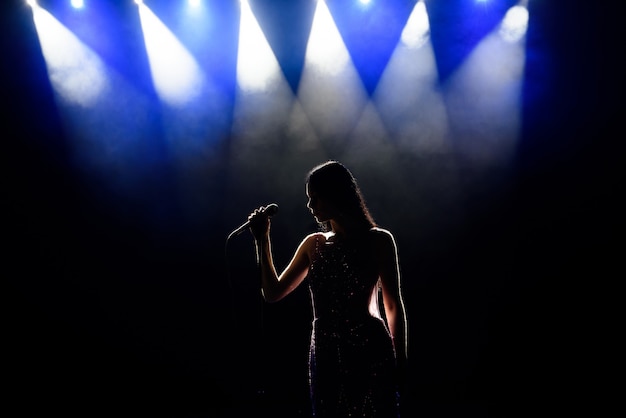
[271, 209]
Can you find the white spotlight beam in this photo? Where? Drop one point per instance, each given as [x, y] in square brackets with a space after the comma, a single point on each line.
[263, 95]
[76, 73]
[413, 110]
[331, 92]
[176, 75]
[263, 105]
[408, 95]
[515, 24]
[194, 112]
[257, 67]
[484, 95]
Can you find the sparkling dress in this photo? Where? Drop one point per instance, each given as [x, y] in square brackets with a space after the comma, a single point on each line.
[351, 357]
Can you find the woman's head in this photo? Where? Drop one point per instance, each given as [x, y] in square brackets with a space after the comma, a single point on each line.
[333, 187]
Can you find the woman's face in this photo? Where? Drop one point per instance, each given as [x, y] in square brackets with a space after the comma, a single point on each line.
[321, 208]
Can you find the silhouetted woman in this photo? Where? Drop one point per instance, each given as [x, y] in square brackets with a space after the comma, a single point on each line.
[357, 347]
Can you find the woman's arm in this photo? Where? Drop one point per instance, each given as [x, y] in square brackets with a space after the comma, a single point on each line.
[275, 287]
[395, 313]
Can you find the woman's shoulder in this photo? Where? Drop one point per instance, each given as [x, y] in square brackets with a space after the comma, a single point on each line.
[381, 233]
[318, 235]
[310, 243]
[313, 238]
[382, 236]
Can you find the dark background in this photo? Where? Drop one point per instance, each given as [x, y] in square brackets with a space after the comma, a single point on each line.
[106, 314]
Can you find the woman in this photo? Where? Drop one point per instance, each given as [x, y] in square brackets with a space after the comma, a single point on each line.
[357, 348]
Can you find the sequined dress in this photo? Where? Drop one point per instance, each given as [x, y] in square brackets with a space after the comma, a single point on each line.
[351, 357]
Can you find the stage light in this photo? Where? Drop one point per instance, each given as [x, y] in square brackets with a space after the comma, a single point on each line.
[330, 91]
[326, 50]
[138, 1]
[177, 76]
[262, 107]
[195, 9]
[365, 2]
[78, 4]
[514, 24]
[484, 95]
[408, 95]
[417, 28]
[32, 3]
[76, 72]
[257, 67]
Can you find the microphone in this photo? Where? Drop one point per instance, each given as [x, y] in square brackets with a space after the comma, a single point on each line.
[270, 210]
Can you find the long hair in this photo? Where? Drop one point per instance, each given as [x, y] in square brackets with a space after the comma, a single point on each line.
[334, 182]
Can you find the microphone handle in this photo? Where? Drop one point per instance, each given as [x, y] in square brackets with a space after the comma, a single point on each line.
[239, 230]
[270, 210]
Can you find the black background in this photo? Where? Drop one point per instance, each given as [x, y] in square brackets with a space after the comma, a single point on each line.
[106, 316]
